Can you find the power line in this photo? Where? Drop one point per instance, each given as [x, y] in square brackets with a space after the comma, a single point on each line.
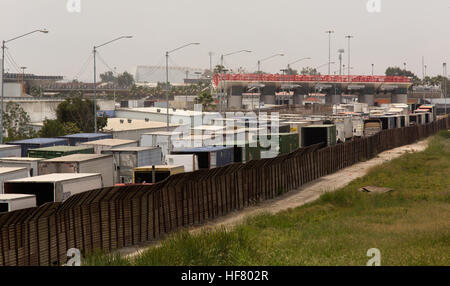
[12, 62]
[104, 62]
[84, 67]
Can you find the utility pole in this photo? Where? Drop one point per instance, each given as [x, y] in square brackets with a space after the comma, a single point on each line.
[114, 83]
[23, 80]
[423, 64]
[329, 49]
[212, 72]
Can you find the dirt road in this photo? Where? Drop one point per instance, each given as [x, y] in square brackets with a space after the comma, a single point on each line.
[307, 193]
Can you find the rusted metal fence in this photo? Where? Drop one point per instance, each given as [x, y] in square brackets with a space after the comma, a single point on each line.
[115, 217]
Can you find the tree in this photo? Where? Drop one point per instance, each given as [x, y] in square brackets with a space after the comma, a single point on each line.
[309, 71]
[54, 128]
[207, 73]
[204, 98]
[396, 71]
[291, 71]
[17, 123]
[126, 79]
[80, 112]
[108, 77]
[218, 69]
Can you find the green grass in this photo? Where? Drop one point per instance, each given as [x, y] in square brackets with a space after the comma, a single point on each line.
[410, 226]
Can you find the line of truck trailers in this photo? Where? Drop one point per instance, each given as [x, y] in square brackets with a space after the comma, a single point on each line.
[40, 170]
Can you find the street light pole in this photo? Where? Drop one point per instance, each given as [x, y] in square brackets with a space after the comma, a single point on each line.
[223, 74]
[167, 77]
[289, 69]
[95, 75]
[372, 69]
[3, 74]
[329, 48]
[259, 77]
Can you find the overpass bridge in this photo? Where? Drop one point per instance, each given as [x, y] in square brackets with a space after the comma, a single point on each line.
[366, 88]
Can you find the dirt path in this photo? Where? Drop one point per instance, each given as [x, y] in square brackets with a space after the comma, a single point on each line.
[305, 194]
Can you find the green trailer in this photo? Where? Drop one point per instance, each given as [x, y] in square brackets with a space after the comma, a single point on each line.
[245, 151]
[277, 144]
[59, 151]
[314, 134]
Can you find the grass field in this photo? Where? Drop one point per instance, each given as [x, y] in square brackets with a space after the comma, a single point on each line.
[410, 226]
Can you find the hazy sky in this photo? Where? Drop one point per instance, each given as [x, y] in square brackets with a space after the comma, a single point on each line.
[404, 31]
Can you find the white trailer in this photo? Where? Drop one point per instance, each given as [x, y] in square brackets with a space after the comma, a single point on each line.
[54, 187]
[106, 144]
[14, 202]
[344, 128]
[163, 139]
[81, 163]
[128, 158]
[11, 173]
[189, 161]
[358, 126]
[10, 151]
[32, 164]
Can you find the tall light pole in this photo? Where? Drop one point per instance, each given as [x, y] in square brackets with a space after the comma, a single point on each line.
[340, 51]
[349, 37]
[329, 48]
[95, 75]
[223, 74]
[404, 66]
[259, 76]
[372, 69]
[167, 76]
[3, 73]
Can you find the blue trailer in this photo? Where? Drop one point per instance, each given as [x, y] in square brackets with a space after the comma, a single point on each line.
[210, 157]
[77, 139]
[35, 143]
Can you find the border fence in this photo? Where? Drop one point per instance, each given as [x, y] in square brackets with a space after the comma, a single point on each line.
[115, 217]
